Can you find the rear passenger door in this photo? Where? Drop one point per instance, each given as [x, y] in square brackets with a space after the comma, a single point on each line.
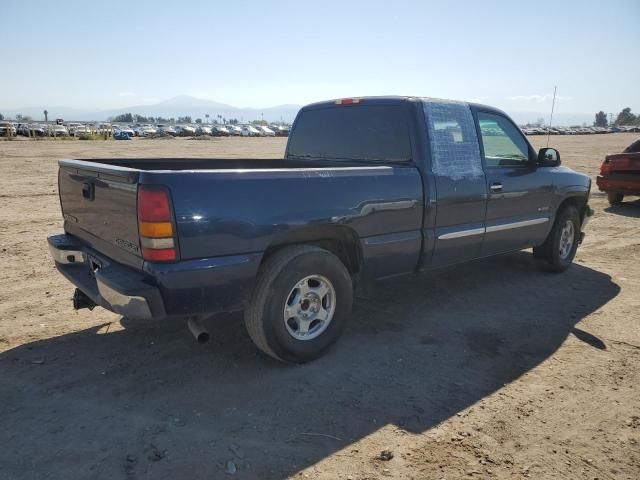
[518, 208]
[460, 183]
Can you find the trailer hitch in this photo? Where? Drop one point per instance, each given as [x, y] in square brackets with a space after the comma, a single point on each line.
[81, 300]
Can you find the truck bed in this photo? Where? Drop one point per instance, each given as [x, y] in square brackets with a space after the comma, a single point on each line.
[237, 206]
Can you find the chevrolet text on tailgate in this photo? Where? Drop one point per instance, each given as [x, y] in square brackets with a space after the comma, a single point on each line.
[369, 188]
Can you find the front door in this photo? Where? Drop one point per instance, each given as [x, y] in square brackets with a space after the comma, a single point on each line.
[518, 208]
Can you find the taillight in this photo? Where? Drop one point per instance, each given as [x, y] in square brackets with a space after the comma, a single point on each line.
[155, 226]
[605, 168]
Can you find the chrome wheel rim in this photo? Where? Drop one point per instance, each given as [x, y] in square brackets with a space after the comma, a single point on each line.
[309, 307]
[567, 236]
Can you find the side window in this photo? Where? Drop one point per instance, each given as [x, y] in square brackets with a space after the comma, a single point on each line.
[504, 145]
[455, 152]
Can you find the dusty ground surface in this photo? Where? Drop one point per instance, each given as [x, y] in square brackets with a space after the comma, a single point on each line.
[495, 369]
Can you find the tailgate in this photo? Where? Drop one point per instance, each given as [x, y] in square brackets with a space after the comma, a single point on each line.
[99, 205]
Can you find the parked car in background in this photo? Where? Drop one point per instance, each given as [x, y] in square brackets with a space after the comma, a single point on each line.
[265, 131]
[83, 130]
[185, 130]
[34, 130]
[250, 131]
[7, 128]
[203, 130]
[221, 131]
[58, 130]
[234, 130]
[124, 129]
[121, 135]
[164, 129]
[280, 130]
[144, 130]
[620, 174]
[28, 130]
[104, 128]
[71, 127]
[22, 129]
[38, 130]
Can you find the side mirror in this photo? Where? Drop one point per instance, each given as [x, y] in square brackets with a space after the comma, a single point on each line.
[548, 157]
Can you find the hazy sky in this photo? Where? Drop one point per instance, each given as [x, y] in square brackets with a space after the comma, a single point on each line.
[510, 54]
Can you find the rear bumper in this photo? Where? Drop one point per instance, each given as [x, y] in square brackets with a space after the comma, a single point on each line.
[629, 184]
[110, 285]
[190, 287]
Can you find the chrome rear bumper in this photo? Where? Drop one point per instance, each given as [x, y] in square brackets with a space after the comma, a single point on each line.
[115, 287]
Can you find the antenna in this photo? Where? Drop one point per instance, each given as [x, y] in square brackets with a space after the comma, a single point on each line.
[551, 118]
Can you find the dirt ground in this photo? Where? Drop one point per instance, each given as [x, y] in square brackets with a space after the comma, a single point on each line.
[496, 369]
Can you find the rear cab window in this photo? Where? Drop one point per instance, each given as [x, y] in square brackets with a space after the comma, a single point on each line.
[362, 132]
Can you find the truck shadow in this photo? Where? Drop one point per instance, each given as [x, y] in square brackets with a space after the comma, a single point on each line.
[147, 402]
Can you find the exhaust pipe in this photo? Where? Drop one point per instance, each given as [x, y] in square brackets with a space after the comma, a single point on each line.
[198, 331]
[81, 300]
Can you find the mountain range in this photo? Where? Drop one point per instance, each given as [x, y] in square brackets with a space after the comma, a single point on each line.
[198, 107]
[174, 107]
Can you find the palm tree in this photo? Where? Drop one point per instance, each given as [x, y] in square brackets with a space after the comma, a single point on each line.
[206, 115]
[46, 116]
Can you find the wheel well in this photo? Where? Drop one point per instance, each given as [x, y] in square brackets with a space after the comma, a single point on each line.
[341, 241]
[575, 201]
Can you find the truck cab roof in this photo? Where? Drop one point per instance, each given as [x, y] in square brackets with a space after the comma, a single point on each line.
[394, 99]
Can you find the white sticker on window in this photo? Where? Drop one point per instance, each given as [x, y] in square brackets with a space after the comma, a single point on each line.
[455, 152]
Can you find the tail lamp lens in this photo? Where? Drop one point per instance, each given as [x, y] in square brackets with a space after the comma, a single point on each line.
[159, 255]
[153, 205]
[157, 235]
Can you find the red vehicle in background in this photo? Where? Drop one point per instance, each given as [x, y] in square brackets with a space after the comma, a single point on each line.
[620, 174]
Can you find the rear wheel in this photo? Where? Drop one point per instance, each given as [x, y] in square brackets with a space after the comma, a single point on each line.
[615, 198]
[301, 302]
[561, 245]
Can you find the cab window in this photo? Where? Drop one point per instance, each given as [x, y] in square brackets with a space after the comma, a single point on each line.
[358, 132]
[504, 145]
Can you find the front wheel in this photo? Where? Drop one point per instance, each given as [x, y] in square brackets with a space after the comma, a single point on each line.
[615, 198]
[559, 249]
[300, 304]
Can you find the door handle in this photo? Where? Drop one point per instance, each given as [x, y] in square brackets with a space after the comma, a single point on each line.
[88, 190]
[496, 187]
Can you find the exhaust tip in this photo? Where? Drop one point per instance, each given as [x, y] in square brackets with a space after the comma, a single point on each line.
[198, 331]
[203, 337]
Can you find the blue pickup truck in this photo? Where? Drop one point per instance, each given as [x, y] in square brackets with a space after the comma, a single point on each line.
[368, 189]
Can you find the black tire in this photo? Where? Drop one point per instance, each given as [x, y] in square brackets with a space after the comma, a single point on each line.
[615, 198]
[264, 317]
[550, 250]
